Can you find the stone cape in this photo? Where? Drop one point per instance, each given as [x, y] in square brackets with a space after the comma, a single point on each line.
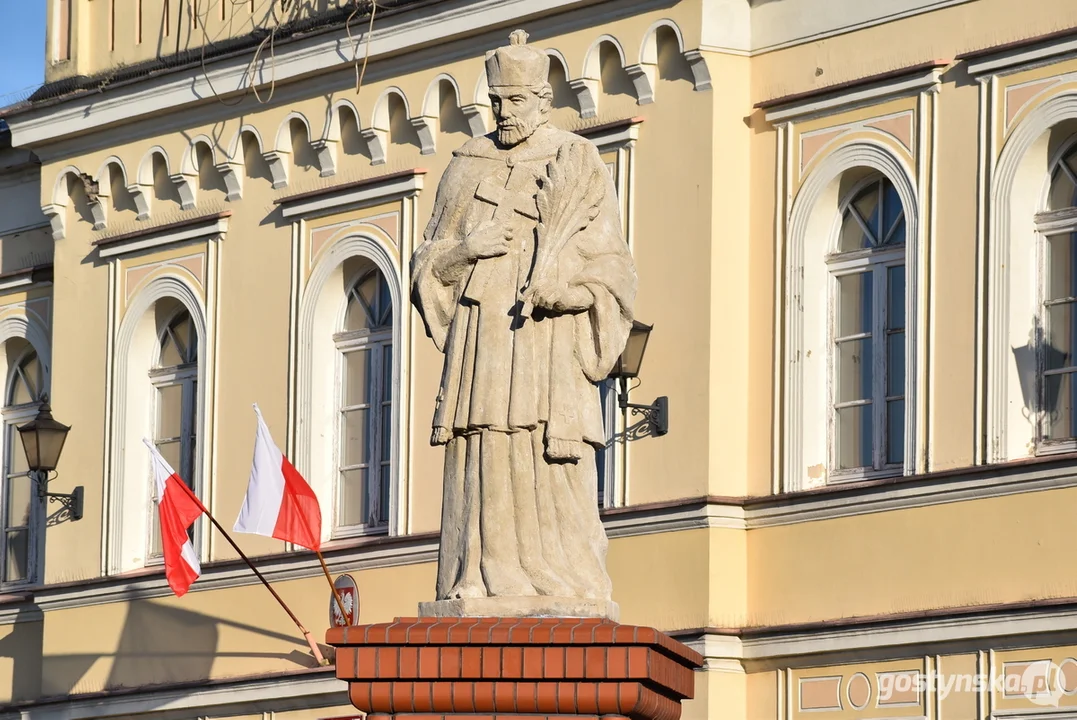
[518, 407]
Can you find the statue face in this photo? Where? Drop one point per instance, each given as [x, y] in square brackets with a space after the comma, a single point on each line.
[519, 113]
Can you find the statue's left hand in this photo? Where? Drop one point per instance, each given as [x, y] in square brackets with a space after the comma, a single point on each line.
[560, 298]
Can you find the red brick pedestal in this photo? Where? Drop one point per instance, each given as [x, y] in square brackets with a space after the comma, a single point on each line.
[446, 668]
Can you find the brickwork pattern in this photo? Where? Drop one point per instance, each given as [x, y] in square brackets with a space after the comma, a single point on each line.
[523, 667]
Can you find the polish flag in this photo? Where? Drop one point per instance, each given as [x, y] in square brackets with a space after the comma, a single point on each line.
[279, 503]
[179, 508]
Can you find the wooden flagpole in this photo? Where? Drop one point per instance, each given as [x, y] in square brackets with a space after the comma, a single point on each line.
[329, 579]
[306, 633]
[310, 532]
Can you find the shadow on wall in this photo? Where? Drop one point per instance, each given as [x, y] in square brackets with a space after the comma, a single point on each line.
[158, 644]
[25, 646]
[25, 250]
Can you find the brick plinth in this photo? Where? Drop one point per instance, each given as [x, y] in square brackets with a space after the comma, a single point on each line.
[427, 668]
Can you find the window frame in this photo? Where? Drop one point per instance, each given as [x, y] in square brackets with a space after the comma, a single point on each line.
[13, 416]
[185, 376]
[878, 261]
[376, 342]
[1048, 224]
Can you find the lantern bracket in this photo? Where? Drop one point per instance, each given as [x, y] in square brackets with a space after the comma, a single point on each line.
[656, 414]
[72, 502]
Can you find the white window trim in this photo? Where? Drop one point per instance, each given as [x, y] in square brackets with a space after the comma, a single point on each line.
[115, 532]
[1049, 223]
[877, 262]
[790, 423]
[373, 342]
[351, 246]
[995, 275]
[28, 325]
[620, 138]
[14, 416]
[185, 376]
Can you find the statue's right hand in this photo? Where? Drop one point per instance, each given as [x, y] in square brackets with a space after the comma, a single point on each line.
[487, 240]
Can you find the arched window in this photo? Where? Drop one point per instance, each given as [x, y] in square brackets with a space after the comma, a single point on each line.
[1057, 333]
[366, 413]
[868, 334]
[24, 390]
[174, 377]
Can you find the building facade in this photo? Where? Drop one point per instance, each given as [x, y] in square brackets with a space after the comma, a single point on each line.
[854, 225]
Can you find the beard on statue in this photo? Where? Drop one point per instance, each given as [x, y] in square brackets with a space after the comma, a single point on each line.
[519, 112]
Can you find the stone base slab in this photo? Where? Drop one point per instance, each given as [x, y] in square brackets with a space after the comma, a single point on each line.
[533, 606]
[564, 668]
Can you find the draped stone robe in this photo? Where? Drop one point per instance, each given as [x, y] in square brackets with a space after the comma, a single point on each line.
[517, 408]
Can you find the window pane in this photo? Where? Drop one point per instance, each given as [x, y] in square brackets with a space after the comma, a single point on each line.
[17, 458]
[854, 370]
[895, 304]
[353, 497]
[169, 412]
[356, 449]
[170, 354]
[155, 534]
[386, 432]
[854, 304]
[31, 370]
[181, 329]
[18, 555]
[1061, 265]
[867, 204]
[892, 211]
[357, 377]
[385, 303]
[1060, 402]
[1062, 191]
[1060, 335]
[355, 317]
[19, 495]
[895, 431]
[387, 373]
[897, 236]
[26, 381]
[854, 433]
[895, 364]
[383, 511]
[852, 235]
[171, 452]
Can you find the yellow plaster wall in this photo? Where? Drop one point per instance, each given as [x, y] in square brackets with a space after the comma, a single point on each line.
[940, 34]
[952, 284]
[241, 631]
[910, 560]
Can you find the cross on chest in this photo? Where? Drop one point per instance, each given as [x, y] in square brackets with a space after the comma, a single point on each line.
[515, 196]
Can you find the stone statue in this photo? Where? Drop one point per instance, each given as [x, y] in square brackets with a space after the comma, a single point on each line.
[526, 284]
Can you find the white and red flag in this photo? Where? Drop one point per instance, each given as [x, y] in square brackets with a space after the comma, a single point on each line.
[179, 507]
[279, 503]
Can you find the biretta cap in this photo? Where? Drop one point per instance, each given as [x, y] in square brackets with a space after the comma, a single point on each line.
[517, 64]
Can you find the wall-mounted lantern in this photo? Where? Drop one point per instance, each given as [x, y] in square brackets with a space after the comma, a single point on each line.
[43, 440]
[627, 367]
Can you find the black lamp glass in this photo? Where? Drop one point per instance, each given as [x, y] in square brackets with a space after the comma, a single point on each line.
[631, 359]
[43, 440]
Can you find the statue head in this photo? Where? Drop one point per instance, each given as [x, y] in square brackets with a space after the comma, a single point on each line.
[520, 93]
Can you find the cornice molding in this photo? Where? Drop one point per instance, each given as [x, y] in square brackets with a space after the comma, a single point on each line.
[427, 26]
[26, 278]
[855, 93]
[368, 191]
[708, 512]
[1021, 54]
[279, 692]
[163, 235]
